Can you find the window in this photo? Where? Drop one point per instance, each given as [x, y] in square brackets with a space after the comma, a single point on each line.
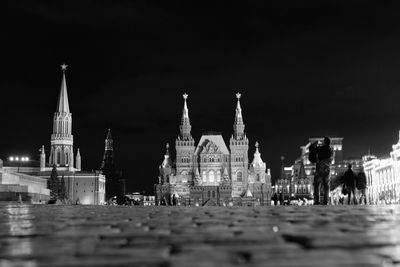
[66, 158]
[213, 193]
[208, 193]
[258, 177]
[58, 157]
[211, 176]
[239, 176]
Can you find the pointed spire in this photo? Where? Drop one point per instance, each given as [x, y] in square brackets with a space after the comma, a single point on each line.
[248, 192]
[185, 126]
[238, 126]
[42, 150]
[62, 105]
[109, 134]
[238, 115]
[167, 160]
[257, 161]
[78, 164]
[109, 141]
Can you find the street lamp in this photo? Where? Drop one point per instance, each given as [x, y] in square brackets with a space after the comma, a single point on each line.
[18, 160]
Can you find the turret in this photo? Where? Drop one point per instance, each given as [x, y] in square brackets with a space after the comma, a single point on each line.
[42, 159]
[78, 161]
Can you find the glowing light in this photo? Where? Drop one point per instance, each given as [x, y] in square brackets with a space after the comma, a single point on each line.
[17, 158]
[11, 158]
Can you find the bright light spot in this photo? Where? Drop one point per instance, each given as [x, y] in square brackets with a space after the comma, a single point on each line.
[11, 158]
[275, 229]
[17, 158]
[27, 158]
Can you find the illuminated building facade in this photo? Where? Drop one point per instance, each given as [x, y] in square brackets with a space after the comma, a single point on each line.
[383, 177]
[211, 174]
[82, 187]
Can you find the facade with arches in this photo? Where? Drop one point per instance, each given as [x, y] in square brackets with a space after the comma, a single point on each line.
[383, 177]
[209, 173]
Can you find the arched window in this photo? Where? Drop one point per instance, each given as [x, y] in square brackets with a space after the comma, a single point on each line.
[58, 156]
[258, 177]
[211, 176]
[208, 194]
[218, 176]
[239, 177]
[66, 158]
[204, 176]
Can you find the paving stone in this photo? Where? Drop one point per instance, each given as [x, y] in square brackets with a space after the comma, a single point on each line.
[41, 235]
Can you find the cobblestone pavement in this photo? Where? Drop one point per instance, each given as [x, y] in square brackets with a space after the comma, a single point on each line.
[48, 235]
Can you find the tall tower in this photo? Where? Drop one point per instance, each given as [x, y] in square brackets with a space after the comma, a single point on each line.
[107, 165]
[114, 185]
[62, 141]
[184, 146]
[239, 146]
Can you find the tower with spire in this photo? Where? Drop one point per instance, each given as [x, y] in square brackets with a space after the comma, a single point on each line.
[107, 164]
[61, 153]
[185, 148]
[239, 146]
[107, 168]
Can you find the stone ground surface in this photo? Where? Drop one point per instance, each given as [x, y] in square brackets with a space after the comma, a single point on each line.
[48, 235]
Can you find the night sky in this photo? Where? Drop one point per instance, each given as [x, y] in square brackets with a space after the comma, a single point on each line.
[304, 68]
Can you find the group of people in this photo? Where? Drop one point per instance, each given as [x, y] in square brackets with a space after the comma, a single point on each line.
[321, 155]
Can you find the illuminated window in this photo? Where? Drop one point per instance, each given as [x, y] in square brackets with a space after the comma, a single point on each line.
[211, 176]
[239, 176]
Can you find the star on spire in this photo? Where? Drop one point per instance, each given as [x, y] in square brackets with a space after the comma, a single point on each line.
[185, 96]
[238, 95]
[256, 145]
[63, 67]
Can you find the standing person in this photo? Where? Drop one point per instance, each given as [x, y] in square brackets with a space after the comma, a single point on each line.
[275, 198]
[362, 186]
[350, 183]
[321, 155]
[281, 199]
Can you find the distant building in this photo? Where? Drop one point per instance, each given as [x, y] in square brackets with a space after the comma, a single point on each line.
[210, 173]
[383, 177]
[299, 178]
[84, 187]
[139, 199]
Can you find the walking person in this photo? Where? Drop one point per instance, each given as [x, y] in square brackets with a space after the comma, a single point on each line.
[321, 155]
[350, 184]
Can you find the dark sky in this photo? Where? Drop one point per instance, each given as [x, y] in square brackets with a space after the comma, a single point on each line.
[304, 68]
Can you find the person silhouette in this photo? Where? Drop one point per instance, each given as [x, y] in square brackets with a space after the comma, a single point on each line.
[362, 186]
[275, 198]
[321, 155]
[350, 179]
